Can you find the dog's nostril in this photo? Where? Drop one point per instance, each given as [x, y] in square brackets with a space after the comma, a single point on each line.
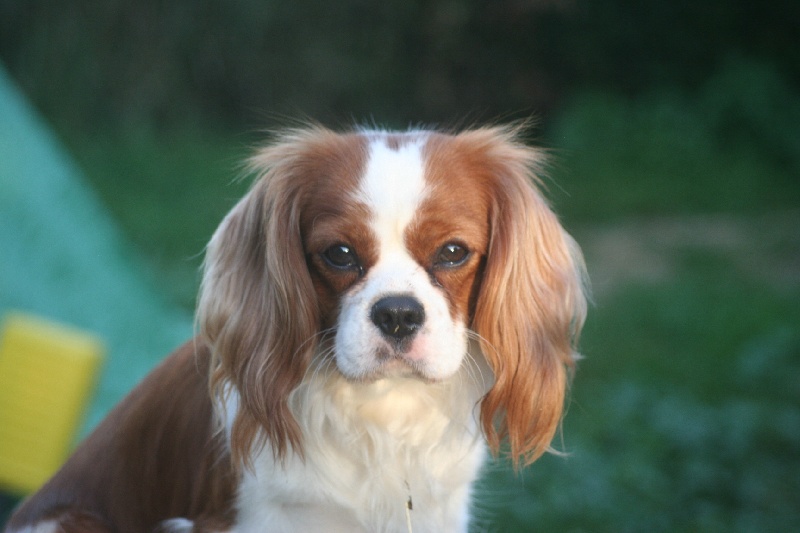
[398, 316]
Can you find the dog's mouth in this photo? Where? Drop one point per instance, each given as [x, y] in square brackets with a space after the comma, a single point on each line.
[389, 364]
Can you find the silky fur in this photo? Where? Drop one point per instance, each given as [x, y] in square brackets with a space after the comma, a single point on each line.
[368, 449]
[302, 443]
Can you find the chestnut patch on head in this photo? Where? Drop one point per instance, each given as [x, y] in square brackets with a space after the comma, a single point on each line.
[337, 241]
[449, 234]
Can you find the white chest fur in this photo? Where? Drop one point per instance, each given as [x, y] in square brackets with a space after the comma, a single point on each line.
[369, 448]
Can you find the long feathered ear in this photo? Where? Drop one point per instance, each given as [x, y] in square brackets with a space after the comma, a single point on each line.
[531, 304]
[257, 307]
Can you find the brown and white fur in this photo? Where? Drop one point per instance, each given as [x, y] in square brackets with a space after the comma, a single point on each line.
[378, 312]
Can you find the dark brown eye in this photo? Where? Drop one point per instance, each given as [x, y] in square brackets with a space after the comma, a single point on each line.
[342, 257]
[451, 255]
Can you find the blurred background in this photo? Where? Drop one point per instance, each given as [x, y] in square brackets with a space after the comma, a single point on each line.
[675, 129]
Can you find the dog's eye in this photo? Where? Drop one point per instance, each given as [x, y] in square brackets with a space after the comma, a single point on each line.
[342, 257]
[451, 255]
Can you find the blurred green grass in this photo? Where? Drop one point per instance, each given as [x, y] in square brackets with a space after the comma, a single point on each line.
[685, 414]
[169, 191]
[733, 145]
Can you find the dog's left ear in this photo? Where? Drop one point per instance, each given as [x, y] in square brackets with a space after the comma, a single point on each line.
[531, 304]
[257, 308]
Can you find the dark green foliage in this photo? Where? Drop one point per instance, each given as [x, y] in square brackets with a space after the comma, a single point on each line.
[91, 63]
[732, 145]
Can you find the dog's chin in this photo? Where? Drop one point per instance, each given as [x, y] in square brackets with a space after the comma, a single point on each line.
[389, 368]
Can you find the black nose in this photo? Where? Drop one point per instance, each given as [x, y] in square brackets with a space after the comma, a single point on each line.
[398, 317]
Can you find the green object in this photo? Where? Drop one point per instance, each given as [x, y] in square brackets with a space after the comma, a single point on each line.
[64, 259]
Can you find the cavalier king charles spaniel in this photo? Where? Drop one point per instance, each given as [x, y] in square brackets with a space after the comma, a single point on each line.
[376, 314]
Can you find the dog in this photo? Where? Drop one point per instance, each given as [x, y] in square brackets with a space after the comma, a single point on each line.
[377, 315]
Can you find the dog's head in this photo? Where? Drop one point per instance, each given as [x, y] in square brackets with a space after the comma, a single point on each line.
[393, 251]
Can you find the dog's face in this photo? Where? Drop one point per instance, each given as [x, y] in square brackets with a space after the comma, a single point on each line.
[395, 260]
[387, 253]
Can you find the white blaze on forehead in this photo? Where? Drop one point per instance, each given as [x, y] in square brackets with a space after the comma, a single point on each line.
[393, 187]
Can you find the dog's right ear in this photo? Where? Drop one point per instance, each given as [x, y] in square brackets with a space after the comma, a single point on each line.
[257, 308]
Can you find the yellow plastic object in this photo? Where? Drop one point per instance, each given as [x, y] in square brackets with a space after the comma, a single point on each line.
[47, 374]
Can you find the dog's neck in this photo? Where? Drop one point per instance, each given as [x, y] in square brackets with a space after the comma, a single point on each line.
[391, 445]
